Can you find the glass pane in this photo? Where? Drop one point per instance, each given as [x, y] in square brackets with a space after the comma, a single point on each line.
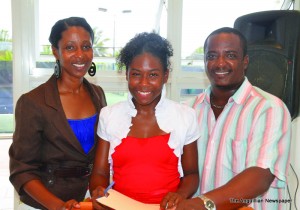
[190, 92]
[6, 86]
[186, 94]
[6, 103]
[114, 23]
[202, 17]
[115, 97]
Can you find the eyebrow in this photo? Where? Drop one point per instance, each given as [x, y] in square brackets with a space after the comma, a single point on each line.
[231, 51]
[140, 70]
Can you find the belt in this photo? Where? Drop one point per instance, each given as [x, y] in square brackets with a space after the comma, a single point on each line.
[70, 171]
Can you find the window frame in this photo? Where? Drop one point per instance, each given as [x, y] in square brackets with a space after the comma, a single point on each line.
[25, 46]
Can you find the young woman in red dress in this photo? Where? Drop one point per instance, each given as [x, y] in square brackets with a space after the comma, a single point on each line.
[147, 143]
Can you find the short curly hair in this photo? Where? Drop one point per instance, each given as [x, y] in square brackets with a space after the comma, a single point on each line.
[146, 42]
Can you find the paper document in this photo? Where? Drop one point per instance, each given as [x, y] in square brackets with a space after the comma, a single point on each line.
[119, 201]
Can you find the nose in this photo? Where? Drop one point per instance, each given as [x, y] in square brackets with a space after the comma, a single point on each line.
[79, 53]
[144, 80]
[221, 61]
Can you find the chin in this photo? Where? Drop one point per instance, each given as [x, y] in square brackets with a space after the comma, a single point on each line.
[228, 86]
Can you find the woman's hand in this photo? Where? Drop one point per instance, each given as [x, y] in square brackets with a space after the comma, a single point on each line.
[70, 204]
[97, 193]
[171, 200]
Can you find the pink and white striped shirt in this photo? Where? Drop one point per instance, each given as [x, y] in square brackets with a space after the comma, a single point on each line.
[254, 129]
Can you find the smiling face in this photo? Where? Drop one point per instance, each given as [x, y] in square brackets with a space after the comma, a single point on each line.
[74, 52]
[146, 77]
[225, 63]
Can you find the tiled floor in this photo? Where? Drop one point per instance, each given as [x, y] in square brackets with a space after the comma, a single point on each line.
[6, 189]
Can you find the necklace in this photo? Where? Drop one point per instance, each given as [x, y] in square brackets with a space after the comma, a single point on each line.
[214, 105]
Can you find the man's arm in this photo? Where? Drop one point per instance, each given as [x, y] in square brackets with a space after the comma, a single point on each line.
[264, 145]
[249, 184]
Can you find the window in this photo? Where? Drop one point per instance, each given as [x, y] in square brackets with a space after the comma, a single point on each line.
[114, 23]
[184, 22]
[202, 17]
[6, 94]
[199, 19]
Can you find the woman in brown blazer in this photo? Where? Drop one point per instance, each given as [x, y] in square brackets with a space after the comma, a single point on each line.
[54, 140]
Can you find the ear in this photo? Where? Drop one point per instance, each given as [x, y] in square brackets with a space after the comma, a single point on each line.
[246, 63]
[166, 76]
[55, 52]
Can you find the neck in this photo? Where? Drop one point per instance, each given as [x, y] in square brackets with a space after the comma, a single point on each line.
[219, 97]
[69, 87]
[212, 98]
[145, 108]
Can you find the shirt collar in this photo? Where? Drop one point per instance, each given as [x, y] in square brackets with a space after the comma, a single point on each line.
[243, 92]
[238, 97]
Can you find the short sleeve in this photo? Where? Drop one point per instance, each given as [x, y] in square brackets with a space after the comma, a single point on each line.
[193, 130]
[270, 143]
[101, 129]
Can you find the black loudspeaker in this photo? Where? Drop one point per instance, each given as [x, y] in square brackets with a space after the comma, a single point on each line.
[274, 53]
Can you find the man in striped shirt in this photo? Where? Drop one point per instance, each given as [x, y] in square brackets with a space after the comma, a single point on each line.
[245, 134]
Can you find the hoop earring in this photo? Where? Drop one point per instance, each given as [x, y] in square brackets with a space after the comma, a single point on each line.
[92, 70]
[57, 69]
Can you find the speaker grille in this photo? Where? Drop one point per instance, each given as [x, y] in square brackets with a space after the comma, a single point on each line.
[269, 71]
[274, 48]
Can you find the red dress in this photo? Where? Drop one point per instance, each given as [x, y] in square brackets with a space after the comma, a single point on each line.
[145, 169]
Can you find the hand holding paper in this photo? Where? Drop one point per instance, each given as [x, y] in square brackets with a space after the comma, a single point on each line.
[119, 201]
[109, 187]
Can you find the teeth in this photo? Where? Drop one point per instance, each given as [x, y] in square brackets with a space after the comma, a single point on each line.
[221, 73]
[79, 65]
[143, 93]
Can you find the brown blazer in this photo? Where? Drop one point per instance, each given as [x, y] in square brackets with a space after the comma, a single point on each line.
[43, 137]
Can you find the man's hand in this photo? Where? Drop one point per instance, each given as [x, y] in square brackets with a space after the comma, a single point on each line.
[171, 200]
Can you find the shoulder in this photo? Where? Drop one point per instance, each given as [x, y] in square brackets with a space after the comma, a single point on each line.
[195, 101]
[96, 88]
[116, 118]
[248, 92]
[35, 95]
[98, 92]
[50, 85]
[31, 102]
[268, 98]
[45, 96]
[264, 102]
